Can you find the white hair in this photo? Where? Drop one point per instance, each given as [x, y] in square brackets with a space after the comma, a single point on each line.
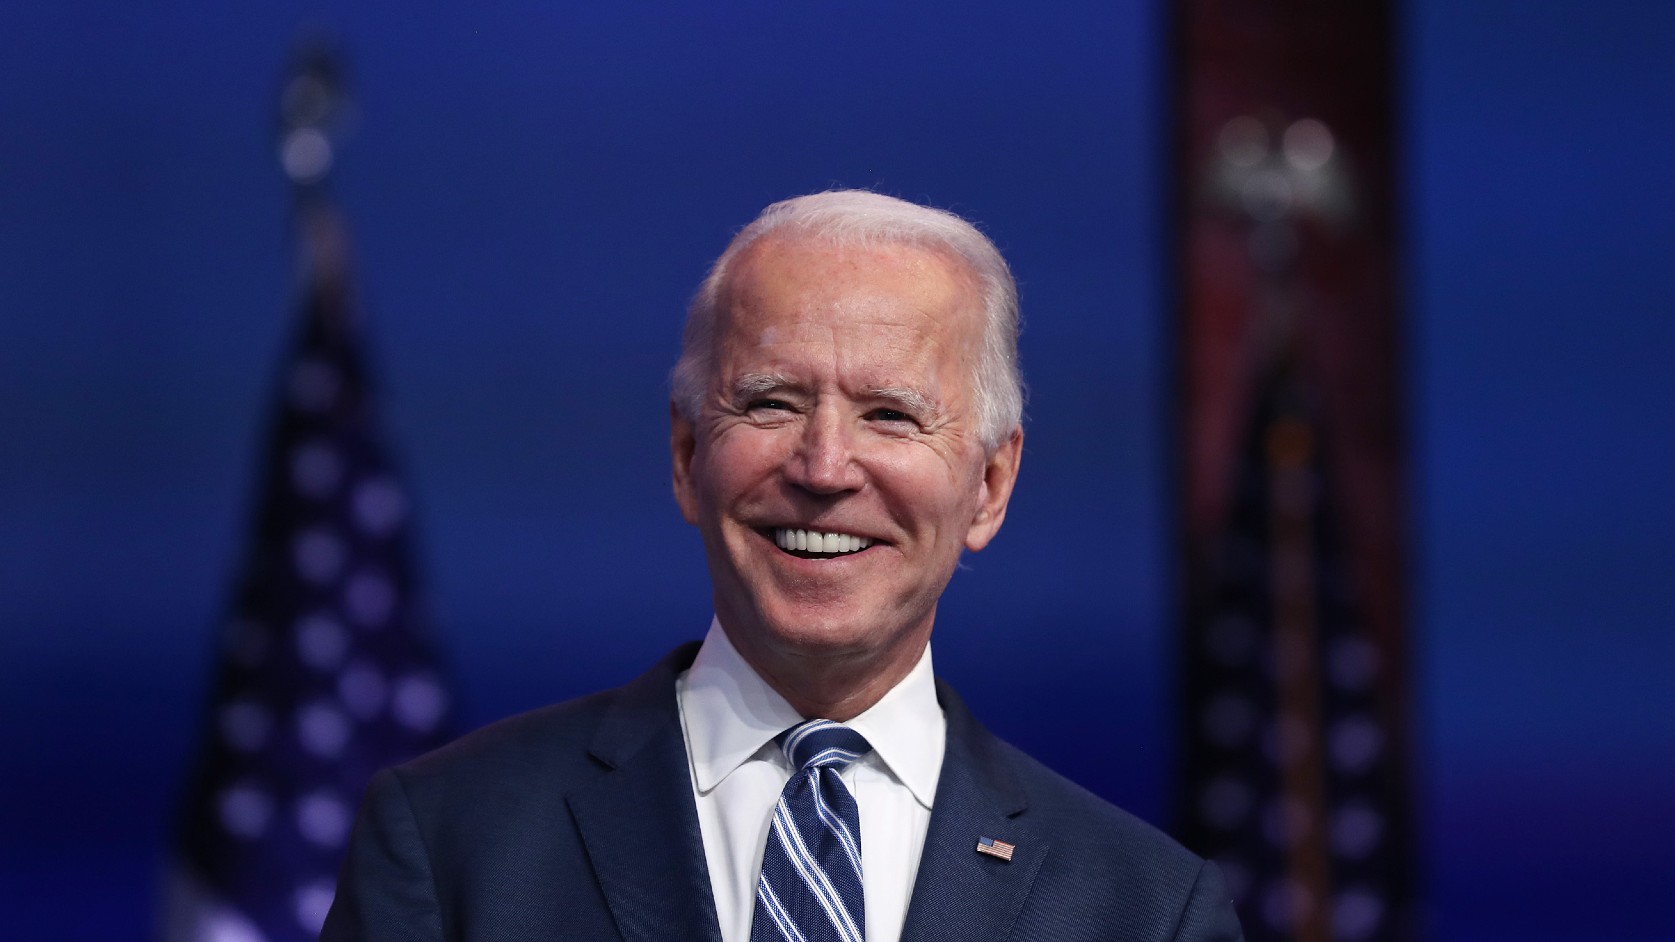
[858, 218]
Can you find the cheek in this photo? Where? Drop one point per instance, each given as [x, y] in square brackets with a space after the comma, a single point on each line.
[934, 493]
[739, 460]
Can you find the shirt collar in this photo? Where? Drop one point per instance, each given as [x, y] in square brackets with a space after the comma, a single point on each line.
[731, 714]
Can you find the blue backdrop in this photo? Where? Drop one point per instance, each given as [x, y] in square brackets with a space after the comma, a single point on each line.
[536, 188]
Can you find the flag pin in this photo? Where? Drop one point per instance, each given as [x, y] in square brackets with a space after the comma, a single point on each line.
[994, 848]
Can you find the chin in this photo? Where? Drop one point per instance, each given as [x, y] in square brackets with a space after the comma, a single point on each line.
[825, 633]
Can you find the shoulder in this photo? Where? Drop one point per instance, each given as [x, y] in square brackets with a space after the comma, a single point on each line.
[1070, 815]
[1088, 827]
[528, 743]
[551, 748]
[481, 834]
[1098, 864]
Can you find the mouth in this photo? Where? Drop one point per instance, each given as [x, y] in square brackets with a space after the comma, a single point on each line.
[817, 544]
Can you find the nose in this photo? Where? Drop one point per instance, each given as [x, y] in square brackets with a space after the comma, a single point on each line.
[824, 461]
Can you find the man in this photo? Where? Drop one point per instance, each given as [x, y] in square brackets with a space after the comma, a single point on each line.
[845, 423]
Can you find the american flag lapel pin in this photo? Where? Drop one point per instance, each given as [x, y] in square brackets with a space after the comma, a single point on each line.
[994, 848]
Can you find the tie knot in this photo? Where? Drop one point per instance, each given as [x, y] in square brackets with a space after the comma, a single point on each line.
[822, 744]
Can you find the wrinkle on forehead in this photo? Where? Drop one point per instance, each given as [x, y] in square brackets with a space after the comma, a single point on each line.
[886, 317]
[920, 333]
[935, 282]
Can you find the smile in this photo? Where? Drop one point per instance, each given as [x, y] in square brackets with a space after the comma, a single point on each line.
[816, 542]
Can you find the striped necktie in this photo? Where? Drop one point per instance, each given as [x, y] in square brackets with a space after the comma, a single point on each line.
[810, 889]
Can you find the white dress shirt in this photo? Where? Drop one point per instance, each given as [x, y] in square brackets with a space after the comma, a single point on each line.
[730, 717]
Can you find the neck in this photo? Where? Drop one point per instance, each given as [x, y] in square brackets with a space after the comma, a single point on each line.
[832, 686]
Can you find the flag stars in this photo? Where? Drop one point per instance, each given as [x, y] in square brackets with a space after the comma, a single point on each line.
[1352, 664]
[1356, 743]
[363, 690]
[323, 819]
[322, 729]
[312, 901]
[419, 702]
[310, 656]
[316, 470]
[1356, 914]
[1356, 830]
[379, 506]
[321, 642]
[244, 810]
[319, 554]
[369, 598]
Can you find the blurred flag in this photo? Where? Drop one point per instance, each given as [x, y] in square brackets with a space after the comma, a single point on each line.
[1294, 739]
[326, 670]
[1293, 779]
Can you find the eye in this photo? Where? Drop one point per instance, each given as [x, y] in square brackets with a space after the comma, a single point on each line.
[889, 415]
[771, 405]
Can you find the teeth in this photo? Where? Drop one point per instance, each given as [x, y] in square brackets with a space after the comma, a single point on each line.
[814, 541]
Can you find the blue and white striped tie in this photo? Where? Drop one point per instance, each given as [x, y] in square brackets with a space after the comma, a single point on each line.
[810, 889]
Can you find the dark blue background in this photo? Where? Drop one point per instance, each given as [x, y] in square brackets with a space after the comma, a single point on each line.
[537, 187]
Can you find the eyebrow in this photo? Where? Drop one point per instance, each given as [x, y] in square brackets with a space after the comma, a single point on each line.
[912, 401]
[755, 384]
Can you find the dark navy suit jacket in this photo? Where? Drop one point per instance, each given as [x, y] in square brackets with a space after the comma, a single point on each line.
[577, 822]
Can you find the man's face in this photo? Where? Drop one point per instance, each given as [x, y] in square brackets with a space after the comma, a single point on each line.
[840, 403]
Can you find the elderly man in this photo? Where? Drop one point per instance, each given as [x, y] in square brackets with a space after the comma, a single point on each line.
[845, 423]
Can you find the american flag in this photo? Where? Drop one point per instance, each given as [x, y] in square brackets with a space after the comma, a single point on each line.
[326, 670]
[1293, 741]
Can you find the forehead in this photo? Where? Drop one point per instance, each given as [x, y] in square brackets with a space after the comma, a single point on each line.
[786, 282]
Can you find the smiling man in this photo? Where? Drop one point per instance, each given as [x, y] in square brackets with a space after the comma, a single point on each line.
[845, 423]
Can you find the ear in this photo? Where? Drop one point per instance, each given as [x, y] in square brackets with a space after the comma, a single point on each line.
[683, 442]
[1000, 472]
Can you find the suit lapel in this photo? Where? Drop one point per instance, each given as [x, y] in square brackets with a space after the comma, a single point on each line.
[960, 894]
[639, 821]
